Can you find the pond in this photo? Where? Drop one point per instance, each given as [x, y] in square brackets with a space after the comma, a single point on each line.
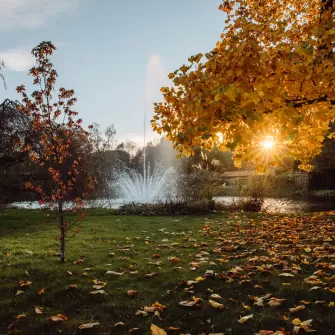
[296, 204]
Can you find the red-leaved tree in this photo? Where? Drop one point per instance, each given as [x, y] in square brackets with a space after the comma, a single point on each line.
[58, 128]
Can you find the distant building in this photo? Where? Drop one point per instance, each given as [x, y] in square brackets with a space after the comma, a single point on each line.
[237, 177]
[232, 178]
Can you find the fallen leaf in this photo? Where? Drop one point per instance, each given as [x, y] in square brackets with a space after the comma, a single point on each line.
[158, 305]
[78, 261]
[297, 309]
[199, 279]
[98, 282]
[305, 325]
[215, 304]
[25, 283]
[275, 302]
[245, 318]
[215, 296]
[58, 318]
[285, 274]
[133, 330]
[21, 316]
[305, 302]
[173, 259]
[132, 293]
[119, 324]
[187, 303]
[18, 292]
[89, 325]
[41, 291]
[314, 288]
[152, 274]
[114, 273]
[246, 307]
[98, 287]
[71, 287]
[173, 328]
[149, 309]
[38, 310]
[99, 292]
[156, 330]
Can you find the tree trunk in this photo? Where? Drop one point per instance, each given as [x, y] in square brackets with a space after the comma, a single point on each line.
[62, 232]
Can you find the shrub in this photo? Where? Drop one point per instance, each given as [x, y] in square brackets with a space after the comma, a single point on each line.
[198, 185]
[168, 208]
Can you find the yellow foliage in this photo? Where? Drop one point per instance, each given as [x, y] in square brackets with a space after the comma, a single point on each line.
[271, 74]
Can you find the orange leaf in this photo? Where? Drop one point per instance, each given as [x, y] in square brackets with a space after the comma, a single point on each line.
[58, 318]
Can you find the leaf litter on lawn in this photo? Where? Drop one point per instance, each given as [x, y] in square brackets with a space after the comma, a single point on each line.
[255, 274]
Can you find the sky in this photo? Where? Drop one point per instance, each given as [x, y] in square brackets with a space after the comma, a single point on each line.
[115, 54]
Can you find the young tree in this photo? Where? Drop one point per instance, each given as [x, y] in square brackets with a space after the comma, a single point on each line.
[57, 126]
[268, 84]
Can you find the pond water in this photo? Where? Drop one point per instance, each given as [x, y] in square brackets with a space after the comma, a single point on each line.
[297, 204]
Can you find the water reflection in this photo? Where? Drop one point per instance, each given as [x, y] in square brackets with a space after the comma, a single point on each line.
[279, 205]
[298, 204]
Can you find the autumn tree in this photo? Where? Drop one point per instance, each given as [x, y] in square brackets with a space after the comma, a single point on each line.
[269, 78]
[57, 126]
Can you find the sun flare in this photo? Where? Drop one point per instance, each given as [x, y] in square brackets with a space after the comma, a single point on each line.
[268, 144]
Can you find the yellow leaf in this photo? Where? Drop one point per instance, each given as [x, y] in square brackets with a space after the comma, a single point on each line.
[296, 322]
[297, 309]
[156, 330]
[245, 318]
[158, 305]
[330, 31]
[215, 304]
[231, 92]
[199, 279]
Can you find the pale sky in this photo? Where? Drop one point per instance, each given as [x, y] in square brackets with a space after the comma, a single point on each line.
[115, 54]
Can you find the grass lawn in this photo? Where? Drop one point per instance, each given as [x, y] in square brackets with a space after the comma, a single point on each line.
[258, 264]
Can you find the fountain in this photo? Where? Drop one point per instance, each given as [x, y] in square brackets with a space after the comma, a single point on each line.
[151, 186]
[157, 183]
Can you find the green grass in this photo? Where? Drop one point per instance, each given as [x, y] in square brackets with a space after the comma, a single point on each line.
[222, 242]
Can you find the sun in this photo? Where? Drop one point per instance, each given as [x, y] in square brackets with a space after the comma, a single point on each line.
[268, 144]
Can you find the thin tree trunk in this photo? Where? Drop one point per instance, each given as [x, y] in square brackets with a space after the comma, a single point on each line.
[62, 232]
